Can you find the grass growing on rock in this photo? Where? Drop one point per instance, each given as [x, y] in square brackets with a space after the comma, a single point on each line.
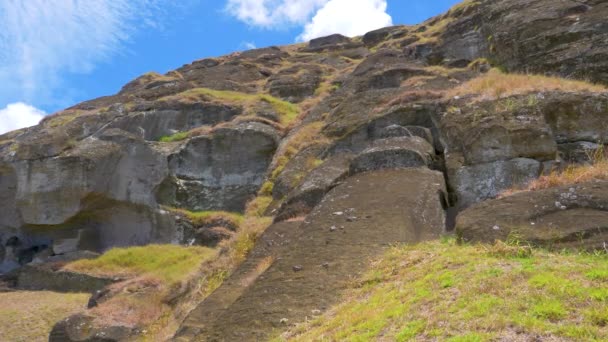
[199, 218]
[304, 137]
[165, 282]
[497, 84]
[29, 316]
[287, 111]
[179, 136]
[597, 169]
[449, 292]
[169, 263]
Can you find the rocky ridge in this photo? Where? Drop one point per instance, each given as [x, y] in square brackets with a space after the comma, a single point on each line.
[301, 125]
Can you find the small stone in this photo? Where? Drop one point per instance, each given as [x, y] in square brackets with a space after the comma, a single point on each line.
[339, 213]
[496, 227]
[332, 229]
[297, 268]
[351, 219]
[316, 312]
[325, 265]
[283, 321]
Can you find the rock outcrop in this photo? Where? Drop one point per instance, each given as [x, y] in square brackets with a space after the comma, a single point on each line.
[357, 143]
[564, 217]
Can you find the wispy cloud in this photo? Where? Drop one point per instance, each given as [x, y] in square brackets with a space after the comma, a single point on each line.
[43, 40]
[317, 17]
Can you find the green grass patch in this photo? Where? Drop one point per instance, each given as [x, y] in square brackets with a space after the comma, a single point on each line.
[201, 218]
[449, 292]
[169, 263]
[179, 136]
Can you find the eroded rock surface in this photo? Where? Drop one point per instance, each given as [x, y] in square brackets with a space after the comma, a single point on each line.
[564, 217]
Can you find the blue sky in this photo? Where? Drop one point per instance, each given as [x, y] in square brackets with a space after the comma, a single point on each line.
[56, 53]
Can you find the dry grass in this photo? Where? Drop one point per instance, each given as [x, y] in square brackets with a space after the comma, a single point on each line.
[30, 316]
[496, 84]
[304, 137]
[437, 26]
[442, 291]
[572, 174]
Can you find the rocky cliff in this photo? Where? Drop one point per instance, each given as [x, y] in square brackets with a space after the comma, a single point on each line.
[448, 98]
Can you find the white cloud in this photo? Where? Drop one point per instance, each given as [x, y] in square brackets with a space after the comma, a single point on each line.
[273, 13]
[43, 40]
[348, 17]
[318, 17]
[19, 115]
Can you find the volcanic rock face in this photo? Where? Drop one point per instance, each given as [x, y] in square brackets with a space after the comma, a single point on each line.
[359, 143]
[309, 125]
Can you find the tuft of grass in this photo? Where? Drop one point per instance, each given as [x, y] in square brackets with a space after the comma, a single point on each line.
[201, 218]
[169, 263]
[446, 291]
[572, 174]
[497, 84]
[289, 112]
[303, 138]
[179, 136]
[257, 207]
[30, 316]
[437, 26]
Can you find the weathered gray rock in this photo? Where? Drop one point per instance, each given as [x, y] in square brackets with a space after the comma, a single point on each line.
[81, 327]
[360, 137]
[394, 131]
[579, 152]
[314, 186]
[391, 77]
[394, 153]
[331, 41]
[484, 181]
[221, 171]
[295, 85]
[40, 278]
[165, 120]
[573, 216]
[375, 37]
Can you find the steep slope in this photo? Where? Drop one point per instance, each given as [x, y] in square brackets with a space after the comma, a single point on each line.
[401, 121]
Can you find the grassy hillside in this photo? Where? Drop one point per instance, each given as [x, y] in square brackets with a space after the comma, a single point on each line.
[30, 316]
[450, 292]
